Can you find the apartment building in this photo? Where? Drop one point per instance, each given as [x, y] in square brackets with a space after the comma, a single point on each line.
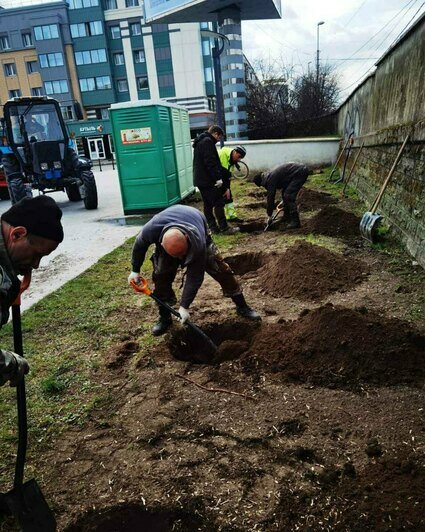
[98, 52]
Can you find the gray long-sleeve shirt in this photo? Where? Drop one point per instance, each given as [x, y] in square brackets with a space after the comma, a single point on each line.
[279, 178]
[192, 223]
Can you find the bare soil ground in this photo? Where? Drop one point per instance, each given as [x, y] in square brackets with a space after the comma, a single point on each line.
[324, 429]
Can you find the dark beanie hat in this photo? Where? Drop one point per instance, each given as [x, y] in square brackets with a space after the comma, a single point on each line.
[258, 180]
[40, 216]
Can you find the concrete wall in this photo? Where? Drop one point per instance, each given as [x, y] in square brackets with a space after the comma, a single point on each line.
[389, 105]
[266, 154]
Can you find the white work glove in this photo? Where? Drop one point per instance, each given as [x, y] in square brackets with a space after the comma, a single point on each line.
[134, 276]
[12, 368]
[184, 315]
[219, 183]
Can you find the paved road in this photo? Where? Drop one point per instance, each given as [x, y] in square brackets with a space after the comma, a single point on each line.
[88, 236]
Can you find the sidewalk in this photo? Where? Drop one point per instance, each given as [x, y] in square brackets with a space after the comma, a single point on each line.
[89, 235]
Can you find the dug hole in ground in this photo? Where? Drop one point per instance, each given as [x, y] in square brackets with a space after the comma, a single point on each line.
[324, 428]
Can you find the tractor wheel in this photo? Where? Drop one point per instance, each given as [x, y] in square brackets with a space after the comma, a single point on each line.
[73, 193]
[88, 190]
[18, 190]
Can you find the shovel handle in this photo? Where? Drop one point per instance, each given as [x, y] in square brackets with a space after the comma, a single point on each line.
[279, 209]
[143, 287]
[387, 180]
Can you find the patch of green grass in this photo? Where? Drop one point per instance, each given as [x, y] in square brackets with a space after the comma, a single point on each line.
[332, 244]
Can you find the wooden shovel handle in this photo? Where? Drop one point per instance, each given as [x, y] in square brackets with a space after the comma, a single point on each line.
[387, 180]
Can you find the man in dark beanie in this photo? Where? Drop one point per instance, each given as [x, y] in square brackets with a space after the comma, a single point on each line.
[289, 179]
[212, 180]
[30, 230]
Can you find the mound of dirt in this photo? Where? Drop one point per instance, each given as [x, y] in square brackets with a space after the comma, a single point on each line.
[311, 200]
[339, 347]
[332, 221]
[309, 272]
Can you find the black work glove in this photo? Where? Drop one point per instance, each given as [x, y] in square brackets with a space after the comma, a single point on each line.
[13, 367]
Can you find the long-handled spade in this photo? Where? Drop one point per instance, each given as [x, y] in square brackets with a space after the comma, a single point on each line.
[279, 209]
[370, 220]
[210, 347]
[25, 501]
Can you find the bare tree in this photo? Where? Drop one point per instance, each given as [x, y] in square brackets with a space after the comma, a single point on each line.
[282, 102]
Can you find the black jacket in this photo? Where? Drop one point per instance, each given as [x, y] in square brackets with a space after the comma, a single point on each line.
[191, 222]
[280, 178]
[9, 289]
[207, 169]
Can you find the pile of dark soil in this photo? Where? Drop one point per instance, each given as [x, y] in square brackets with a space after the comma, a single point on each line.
[311, 200]
[309, 272]
[339, 347]
[332, 221]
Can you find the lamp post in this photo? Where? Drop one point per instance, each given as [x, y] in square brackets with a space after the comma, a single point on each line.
[317, 54]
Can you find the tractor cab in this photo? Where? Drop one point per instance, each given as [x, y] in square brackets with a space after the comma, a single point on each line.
[42, 157]
[37, 135]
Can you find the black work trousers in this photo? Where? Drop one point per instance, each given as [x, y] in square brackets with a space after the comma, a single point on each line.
[165, 269]
[214, 207]
[290, 190]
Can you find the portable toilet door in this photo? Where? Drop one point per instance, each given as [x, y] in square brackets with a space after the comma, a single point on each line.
[144, 148]
[183, 150]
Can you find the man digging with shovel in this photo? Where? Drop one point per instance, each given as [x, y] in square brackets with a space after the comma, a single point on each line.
[289, 178]
[182, 239]
[30, 230]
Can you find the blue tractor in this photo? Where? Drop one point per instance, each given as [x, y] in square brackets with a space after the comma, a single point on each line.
[39, 155]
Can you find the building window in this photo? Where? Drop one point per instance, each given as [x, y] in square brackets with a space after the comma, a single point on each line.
[78, 4]
[110, 4]
[16, 93]
[206, 47]
[4, 43]
[162, 53]
[119, 59]
[208, 74]
[56, 87]
[10, 69]
[43, 33]
[86, 29]
[142, 83]
[51, 60]
[139, 56]
[88, 57]
[32, 66]
[92, 84]
[27, 39]
[136, 28]
[104, 113]
[122, 85]
[95, 28]
[131, 3]
[165, 80]
[36, 91]
[67, 112]
[115, 32]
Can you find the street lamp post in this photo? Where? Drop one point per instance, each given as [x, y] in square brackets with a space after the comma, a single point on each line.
[317, 54]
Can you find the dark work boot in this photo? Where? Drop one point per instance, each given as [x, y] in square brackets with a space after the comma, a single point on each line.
[244, 310]
[294, 220]
[228, 230]
[163, 323]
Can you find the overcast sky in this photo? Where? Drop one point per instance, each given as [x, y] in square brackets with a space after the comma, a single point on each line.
[354, 35]
[361, 30]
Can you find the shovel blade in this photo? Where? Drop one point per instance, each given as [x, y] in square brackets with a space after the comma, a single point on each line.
[369, 225]
[28, 505]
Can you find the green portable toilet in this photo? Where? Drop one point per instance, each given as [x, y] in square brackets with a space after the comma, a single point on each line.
[153, 152]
